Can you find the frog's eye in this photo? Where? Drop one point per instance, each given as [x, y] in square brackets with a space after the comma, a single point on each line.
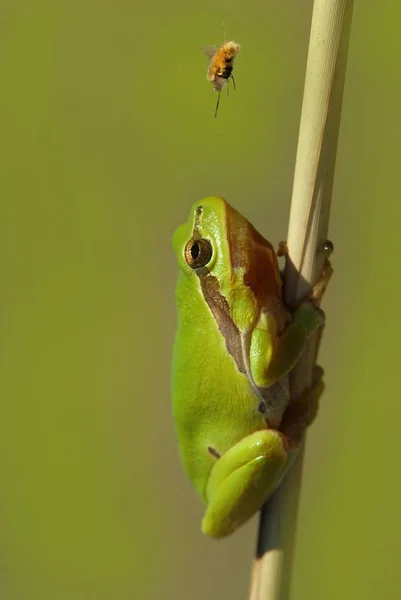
[198, 252]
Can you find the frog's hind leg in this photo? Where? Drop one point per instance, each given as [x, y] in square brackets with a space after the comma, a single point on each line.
[302, 411]
[242, 480]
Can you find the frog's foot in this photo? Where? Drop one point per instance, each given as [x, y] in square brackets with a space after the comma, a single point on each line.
[301, 412]
[320, 286]
[282, 249]
[308, 314]
[328, 249]
[317, 291]
[242, 480]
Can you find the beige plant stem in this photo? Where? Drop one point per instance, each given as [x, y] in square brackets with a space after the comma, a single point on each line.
[307, 234]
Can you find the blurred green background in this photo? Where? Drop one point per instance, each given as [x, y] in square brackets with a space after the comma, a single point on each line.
[107, 137]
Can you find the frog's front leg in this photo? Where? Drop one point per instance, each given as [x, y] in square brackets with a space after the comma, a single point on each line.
[271, 356]
[242, 479]
[306, 319]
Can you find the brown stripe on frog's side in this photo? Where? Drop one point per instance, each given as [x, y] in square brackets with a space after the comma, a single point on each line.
[219, 305]
[221, 312]
[253, 254]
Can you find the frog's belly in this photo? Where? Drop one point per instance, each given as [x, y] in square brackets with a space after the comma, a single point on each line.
[214, 405]
[226, 417]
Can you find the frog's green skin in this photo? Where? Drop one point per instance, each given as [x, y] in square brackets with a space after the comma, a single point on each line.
[234, 347]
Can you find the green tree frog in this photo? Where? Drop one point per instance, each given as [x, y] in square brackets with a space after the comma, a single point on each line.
[234, 347]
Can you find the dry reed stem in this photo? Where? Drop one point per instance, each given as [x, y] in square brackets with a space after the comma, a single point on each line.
[308, 227]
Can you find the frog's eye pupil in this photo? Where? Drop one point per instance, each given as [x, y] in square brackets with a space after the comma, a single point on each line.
[198, 252]
[195, 251]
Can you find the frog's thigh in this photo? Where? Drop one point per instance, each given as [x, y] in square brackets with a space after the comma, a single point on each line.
[241, 480]
[301, 412]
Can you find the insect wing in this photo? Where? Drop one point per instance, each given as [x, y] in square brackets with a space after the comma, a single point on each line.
[219, 83]
[210, 51]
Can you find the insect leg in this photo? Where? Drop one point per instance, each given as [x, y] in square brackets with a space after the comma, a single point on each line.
[217, 105]
[232, 77]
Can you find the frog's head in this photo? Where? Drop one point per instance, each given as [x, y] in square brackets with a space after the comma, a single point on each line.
[234, 265]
